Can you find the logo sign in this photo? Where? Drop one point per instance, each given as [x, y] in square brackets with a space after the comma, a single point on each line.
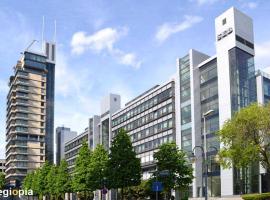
[224, 34]
[157, 186]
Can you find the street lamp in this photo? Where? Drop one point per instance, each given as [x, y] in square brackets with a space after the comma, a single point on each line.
[207, 113]
[203, 162]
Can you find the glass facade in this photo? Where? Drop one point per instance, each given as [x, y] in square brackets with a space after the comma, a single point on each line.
[209, 101]
[186, 130]
[242, 78]
[266, 90]
[243, 92]
[50, 84]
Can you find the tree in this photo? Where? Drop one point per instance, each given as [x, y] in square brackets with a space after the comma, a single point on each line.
[140, 192]
[63, 180]
[42, 181]
[96, 175]
[35, 182]
[79, 181]
[171, 159]
[124, 169]
[246, 138]
[51, 181]
[2, 180]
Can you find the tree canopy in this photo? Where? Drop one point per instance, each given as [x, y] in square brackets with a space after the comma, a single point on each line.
[2, 180]
[246, 138]
[174, 161]
[123, 165]
[97, 168]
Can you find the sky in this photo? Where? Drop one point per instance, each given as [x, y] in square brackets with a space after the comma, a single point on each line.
[119, 46]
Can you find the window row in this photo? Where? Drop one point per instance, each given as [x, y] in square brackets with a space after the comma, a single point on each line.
[149, 117]
[76, 143]
[160, 127]
[153, 144]
[144, 106]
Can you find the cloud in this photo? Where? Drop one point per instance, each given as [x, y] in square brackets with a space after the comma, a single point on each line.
[104, 40]
[262, 51]
[204, 2]
[3, 87]
[168, 29]
[250, 4]
[73, 103]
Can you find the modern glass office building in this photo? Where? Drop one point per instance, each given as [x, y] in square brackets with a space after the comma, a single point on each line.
[204, 93]
[30, 114]
[221, 84]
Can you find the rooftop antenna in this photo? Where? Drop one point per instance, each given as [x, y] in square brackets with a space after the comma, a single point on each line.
[54, 37]
[30, 45]
[42, 33]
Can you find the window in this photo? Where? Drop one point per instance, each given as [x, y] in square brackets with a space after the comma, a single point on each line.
[186, 114]
[224, 21]
[209, 72]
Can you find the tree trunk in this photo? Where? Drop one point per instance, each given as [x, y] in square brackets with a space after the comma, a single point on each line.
[122, 193]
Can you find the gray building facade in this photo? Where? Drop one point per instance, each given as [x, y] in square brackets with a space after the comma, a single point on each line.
[63, 135]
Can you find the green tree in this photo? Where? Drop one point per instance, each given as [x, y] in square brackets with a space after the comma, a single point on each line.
[27, 182]
[171, 159]
[63, 180]
[246, 138]
[139, 192]
[79, 180]
[2, 181]
[97, 168]
[51, 181]
[35, 182]
[124, 168]
[42, 179]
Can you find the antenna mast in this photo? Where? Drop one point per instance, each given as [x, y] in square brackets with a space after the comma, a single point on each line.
[54, 37]
[42, 33]
[30, 45]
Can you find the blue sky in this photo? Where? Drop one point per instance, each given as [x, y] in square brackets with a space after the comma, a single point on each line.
[119, 46]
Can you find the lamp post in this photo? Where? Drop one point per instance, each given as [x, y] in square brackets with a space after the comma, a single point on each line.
[203, 162]
[204, 152]
[209, 112]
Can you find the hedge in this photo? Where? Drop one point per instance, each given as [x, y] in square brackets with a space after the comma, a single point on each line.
[262, 196]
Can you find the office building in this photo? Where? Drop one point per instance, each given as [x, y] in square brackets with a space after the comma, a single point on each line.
[73, 146]
[30, 113]
[219, 85]
[204, 93]
[150, 121]
[263, 97]
[109, 105]
[63, 135]
[90, 135]
[2, 166]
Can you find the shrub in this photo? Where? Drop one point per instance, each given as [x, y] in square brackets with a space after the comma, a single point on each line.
[263, 196]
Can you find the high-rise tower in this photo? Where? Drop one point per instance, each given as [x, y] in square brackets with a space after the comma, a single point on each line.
[30, 113]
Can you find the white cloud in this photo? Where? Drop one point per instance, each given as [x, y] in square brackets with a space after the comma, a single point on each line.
[73, 103]
[104, 40]
[202, 2]
[168, 29]
[248, 4]
[3, 86]
[262, 57]
[251, 5]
